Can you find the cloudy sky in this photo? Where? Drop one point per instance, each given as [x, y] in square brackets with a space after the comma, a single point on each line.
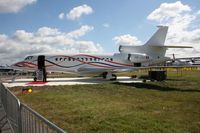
[93, 26]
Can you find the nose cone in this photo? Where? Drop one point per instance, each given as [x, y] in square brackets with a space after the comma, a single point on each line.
[24, 66]
[17, 66]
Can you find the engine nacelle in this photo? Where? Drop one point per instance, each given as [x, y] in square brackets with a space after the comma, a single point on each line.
[138, 58]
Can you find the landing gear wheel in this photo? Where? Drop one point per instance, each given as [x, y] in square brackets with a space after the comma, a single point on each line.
[109, 76]
[104, 74]
[114, 77]
[35, 79]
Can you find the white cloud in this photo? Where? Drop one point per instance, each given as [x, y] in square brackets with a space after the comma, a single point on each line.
[21, 34]
[47, 31]
[14, 6]
[106, 25]
[61, 16]
[78, 11]
[126, 40]
[88, 47]
[45, 40]
[168, 10]
[198, 12]
[80, 32]
[182, 27]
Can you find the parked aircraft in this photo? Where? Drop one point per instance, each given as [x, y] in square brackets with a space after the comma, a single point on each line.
[128, 58]
[5, 68]
[189, 61]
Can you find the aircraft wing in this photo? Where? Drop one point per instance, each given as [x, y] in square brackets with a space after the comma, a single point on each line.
[160, 67]
[93, 70]
[119, 70]
[101, 70]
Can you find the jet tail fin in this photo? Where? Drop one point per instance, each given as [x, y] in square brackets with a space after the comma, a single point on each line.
[154, 47]
[158, 38]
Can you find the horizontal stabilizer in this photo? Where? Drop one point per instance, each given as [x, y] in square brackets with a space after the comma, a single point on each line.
[172, 46]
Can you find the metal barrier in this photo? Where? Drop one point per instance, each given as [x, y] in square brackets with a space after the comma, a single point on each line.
[23, 119]
[32, 122]
[11, 106]
[6, 76]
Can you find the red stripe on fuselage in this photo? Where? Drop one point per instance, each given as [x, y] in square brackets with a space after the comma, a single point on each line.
[105, 60]
[83, 62]
[95, 57]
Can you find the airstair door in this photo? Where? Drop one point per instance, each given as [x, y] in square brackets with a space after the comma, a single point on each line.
[41, 72]
[41, 62]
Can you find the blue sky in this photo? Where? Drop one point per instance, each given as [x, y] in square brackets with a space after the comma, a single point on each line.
[109, 24]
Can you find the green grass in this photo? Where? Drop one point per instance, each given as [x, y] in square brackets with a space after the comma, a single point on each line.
[170, 106]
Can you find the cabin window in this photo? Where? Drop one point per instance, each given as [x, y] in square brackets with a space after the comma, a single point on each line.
[90, 59]
[64, 59]
[56, 59]
[82, 59]
[111, 59]
[69, 59]
[78, 59]
[73, 59]
[86, 59]
[95, 59]
[29, 58]
[60, 59]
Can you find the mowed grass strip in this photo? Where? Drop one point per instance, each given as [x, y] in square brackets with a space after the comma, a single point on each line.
[170, 106]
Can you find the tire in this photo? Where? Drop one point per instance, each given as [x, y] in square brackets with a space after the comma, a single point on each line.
[114, 77]
[104, 74]
[35, 79]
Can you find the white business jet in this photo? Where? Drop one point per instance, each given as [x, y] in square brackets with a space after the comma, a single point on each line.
[128, 58]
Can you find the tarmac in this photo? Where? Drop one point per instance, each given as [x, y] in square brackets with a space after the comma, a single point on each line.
[67, 81]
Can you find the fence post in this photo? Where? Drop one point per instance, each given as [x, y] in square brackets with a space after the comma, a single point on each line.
[19, 118]
[0, 94]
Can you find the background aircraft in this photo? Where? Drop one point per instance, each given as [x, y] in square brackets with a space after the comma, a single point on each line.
[128, 58]
[190, 61]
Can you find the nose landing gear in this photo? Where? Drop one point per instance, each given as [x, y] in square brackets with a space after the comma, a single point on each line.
[40, 75]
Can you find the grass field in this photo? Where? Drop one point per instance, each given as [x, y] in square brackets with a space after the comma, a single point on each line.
[170, 106]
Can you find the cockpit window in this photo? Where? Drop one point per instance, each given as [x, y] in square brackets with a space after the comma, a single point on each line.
[29, 58]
